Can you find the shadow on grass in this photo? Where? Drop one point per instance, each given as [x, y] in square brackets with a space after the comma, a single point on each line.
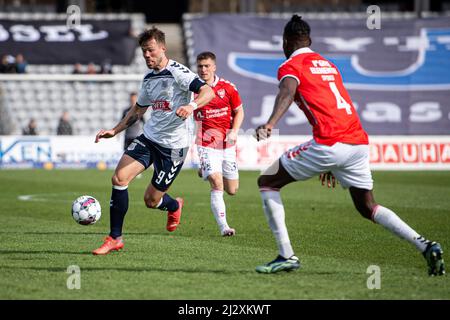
[138, 269]
[81, 233]
[43, 252]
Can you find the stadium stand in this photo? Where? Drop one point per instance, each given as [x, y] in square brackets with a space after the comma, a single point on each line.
[94, 101]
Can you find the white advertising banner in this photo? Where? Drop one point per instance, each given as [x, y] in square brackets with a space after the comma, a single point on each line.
[386, 152]
[58, 151]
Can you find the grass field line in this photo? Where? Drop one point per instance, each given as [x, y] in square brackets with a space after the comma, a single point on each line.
[56, 197]
[43, 197]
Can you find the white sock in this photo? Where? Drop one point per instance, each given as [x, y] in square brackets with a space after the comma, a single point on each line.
[218, 208]
[393, 223]
[274, 210]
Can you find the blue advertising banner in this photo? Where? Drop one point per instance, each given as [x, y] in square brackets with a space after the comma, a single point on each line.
[398, 76]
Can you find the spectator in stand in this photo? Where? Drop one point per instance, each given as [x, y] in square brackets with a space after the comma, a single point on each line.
[106, 67]
[7, 64]
[77, 69]
[3, 64]
[31, 128]
[21, 64]
[64, 126]
[91, 69]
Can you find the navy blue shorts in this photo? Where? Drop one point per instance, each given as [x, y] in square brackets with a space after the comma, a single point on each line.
[166, 162]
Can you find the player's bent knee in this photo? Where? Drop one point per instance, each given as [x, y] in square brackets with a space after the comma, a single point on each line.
[117, 181]
[151, 203]
[231, 191]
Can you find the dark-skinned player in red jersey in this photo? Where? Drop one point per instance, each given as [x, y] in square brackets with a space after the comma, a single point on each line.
[339, 149]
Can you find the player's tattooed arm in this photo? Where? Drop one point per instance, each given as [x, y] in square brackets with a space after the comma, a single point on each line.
[136, 112]
[132, 120]
[283, 101]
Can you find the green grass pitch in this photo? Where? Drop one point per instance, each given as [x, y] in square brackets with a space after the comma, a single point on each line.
[40, 240]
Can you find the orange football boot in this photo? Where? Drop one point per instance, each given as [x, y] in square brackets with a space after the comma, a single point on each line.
[109, 245]
[173, 217]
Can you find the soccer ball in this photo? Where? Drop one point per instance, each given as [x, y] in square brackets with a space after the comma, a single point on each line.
[86, 210]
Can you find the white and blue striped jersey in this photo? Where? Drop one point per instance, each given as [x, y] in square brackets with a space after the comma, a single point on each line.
[164, 92]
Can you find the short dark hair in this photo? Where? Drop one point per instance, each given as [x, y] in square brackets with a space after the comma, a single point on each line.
[206, 55]
[153, 33]
[298, 30]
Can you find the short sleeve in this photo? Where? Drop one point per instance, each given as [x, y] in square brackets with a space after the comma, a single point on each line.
[143, 100]
[185, 78]
[235, 98]
[287, 69]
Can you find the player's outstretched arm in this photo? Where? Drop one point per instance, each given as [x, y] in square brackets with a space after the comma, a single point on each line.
[131, 117]
[205, 95]
[284, 99]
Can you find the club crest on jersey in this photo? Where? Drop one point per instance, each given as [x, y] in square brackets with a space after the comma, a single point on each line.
[221, 93]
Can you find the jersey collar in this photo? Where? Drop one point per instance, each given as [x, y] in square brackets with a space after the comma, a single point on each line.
[169, 61]
[300, 51]
[216, 80]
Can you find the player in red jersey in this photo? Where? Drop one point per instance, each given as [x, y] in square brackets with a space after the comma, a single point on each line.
[218, 124]
[339, 148]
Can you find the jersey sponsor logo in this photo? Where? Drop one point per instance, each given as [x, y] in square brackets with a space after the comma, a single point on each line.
[315, 70]
[221, 93]
[322, 67]
[216, 113]
[161, 105]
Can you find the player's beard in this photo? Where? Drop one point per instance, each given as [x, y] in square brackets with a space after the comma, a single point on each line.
[158, 62]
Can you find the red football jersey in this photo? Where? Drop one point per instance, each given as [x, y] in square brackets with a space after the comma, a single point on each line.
[215, 119]
[323, 98]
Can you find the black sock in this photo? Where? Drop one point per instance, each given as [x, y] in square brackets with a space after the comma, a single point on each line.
[168, 203]
[118, 207]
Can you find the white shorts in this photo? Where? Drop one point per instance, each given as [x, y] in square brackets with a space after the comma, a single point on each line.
[222, 161]
[348, 163]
